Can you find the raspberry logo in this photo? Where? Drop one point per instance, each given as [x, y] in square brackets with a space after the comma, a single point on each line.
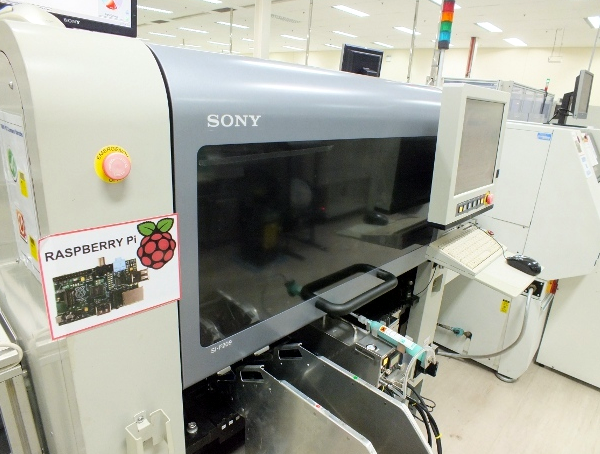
[157, 246]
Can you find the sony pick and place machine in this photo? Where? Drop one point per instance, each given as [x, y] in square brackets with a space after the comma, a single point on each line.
[294, 201]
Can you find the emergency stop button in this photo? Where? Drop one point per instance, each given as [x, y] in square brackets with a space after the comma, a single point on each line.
[489, 198]
[116, 166]
[112, 164]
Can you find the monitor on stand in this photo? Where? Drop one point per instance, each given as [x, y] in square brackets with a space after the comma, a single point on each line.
[360, 60]
[577, 102]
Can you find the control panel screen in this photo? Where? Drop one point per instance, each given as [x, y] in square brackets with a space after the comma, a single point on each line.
[108, 16]
[479, 144]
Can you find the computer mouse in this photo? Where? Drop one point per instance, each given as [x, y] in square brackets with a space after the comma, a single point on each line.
[375, 218]
[525, 264]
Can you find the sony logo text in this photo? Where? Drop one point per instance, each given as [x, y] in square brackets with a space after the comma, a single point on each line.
[71, 21]
[227, 121]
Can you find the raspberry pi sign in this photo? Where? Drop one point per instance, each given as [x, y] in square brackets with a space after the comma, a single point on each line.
[94, 276]
[158, 246]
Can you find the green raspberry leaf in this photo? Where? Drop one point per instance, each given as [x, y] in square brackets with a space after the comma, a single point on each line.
[164, 225]
[146, 228]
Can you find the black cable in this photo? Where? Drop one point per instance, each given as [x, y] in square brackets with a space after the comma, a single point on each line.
[421, 403]
[416, 393]
[555, 115]
[431, 422]
[424, 418]
[422, 399]
[566, 113]
[424, 421]
[436, 431]
[430, 404]
[430, 280]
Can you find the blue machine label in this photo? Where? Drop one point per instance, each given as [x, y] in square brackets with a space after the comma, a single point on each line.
[544, 136]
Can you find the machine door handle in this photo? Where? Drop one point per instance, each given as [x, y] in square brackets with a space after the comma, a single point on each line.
[389, 282]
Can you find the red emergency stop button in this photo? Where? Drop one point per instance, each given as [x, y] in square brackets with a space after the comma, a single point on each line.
[116, 166]
[112, 164]
[489, 198]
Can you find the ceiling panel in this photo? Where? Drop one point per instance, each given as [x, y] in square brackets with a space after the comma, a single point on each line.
[533, 21]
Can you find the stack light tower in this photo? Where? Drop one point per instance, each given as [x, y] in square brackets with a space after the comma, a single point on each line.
[443, 43]
[446, 24]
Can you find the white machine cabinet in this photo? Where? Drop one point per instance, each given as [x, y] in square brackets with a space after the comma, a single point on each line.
[571, 336]
[89, 386]
[547, 206]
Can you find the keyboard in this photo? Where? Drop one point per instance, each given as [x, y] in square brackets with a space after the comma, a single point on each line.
[467, 251]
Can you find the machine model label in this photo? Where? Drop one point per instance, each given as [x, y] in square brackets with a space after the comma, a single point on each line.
[544, 136]
[19, 184]
[94, 276]
[228, 121]
[220, 346]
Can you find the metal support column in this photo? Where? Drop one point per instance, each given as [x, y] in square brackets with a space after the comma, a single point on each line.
[472, 54]
[262, 28]
[412, 41]
[310, 11]
[230, 30]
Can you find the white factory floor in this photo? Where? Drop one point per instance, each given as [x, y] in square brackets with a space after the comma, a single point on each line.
[543, 412]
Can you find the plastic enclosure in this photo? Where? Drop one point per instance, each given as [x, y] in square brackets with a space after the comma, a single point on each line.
[452, 131]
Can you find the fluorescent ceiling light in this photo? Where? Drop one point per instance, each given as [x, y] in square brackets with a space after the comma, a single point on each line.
[233, 25]
[489, 27]
[334, 46]
[192, 30]
[297, 38]
[166, 35]
[191, 45]
[156, 10]
[439, 2]
[593, 21]
[350, 10]
[406, 30]
[213, 1]
[218, 43]
[248, 39]
[292, 47]
[515, 42]
[383, 44]
[345, 34]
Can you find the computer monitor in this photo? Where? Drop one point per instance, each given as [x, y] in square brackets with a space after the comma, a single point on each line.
[117, 17]
[576, 103]
[469, 141]
[360, 60]
[582, 94]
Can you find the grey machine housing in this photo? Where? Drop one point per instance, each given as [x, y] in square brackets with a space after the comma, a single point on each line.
[287, 103]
